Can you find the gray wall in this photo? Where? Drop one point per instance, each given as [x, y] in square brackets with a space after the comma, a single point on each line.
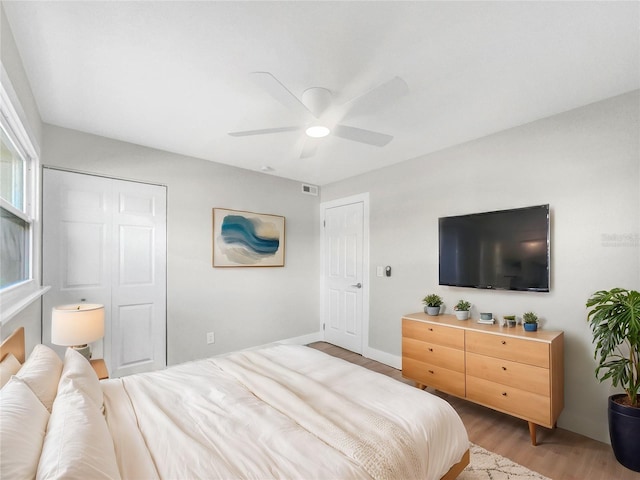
[585, 163]
[28, 111]
[14, 69]
[243, 306]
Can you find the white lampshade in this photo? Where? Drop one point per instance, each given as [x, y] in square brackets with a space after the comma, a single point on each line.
[77, 324]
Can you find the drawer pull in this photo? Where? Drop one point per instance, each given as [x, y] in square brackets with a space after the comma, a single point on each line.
[431, 372]
[430, 329]
[504, 394]
[430, 349]
[504, 368]
[504, 342]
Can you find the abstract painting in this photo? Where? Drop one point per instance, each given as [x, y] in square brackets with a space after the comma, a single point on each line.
[246, 239]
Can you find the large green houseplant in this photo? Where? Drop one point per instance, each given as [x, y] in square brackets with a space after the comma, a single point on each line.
[614, 319]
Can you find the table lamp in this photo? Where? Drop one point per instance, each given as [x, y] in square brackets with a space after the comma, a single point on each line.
[77, 325]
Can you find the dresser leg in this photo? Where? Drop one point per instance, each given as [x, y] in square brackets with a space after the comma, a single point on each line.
[420, 386]
[532, 433]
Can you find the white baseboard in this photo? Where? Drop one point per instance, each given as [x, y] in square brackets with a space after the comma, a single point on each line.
[303, 339]
[389, 359]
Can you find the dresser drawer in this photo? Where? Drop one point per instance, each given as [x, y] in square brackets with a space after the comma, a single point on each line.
[505, 372]
[434, 376]
[520, 403]
[432, 333]
[509, 348]
[434, 354]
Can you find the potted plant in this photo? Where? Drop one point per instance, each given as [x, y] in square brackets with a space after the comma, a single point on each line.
[462, 309]
[510, 320]
[432, 304]
[530, 321]
[615, 322]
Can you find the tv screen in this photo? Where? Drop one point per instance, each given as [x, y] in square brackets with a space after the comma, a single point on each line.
[506, 250]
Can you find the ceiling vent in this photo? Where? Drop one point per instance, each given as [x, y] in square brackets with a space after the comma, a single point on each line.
[310, 189]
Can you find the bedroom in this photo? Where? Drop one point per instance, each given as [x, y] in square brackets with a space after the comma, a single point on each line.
[583, 160]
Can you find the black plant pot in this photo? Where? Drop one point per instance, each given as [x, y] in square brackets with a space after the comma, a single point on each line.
[624, 431]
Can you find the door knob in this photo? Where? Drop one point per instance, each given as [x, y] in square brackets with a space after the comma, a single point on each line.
[357, 285]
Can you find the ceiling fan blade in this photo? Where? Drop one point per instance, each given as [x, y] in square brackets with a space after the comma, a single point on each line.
[277, 90]
[360, 135]
[378, 97]
[264, 131]
[309, 148]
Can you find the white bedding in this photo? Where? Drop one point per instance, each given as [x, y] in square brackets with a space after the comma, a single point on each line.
[279, 412]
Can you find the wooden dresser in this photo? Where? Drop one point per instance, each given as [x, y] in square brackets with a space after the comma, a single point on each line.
[507, 369]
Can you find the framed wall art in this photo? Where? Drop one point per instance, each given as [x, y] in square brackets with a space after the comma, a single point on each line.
[246, 239]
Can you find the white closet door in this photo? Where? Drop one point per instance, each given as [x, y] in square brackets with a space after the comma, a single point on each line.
[138, 266]
[104, 241]
[76, 246]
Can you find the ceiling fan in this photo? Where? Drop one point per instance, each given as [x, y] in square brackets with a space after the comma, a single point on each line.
[315, 103]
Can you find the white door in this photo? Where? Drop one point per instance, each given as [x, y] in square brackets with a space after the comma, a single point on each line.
[344, 274]
[104, 241]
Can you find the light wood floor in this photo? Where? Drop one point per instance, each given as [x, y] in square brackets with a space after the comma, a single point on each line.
[560, 454]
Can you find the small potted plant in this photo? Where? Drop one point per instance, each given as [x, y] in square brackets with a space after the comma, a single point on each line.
[510, 320]
[530, 321]
[432, 304]
[462, 309]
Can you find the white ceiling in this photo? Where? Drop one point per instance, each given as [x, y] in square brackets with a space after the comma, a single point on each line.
[175, 75]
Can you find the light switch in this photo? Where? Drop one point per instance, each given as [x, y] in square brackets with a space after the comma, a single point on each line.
[379, 271]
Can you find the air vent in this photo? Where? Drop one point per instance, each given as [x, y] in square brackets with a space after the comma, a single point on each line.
[310, 189]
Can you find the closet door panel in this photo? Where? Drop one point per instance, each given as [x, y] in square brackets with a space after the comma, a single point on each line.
[139, 278]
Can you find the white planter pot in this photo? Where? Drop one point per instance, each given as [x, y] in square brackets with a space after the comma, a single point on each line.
[462, 314]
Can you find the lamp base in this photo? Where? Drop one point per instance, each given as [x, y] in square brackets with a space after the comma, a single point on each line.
[84, 350]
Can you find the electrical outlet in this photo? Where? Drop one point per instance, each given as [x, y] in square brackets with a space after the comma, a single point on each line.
[379, 271]
[211, 338]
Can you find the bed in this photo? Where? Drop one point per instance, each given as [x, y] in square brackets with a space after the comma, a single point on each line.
[281, 411]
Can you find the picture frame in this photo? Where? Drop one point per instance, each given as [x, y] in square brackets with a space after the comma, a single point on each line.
[247, 239]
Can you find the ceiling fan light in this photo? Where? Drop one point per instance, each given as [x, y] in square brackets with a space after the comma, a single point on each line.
[317, 131]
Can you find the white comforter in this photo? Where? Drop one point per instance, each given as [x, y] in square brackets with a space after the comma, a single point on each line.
[279, 412]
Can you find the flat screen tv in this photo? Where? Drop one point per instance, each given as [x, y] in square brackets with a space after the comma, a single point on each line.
[505, 250]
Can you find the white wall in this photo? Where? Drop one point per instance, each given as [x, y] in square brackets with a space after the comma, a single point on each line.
[243, 306]
[585, 163]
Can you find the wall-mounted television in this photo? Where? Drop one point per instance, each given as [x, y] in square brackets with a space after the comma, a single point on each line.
[505, 249]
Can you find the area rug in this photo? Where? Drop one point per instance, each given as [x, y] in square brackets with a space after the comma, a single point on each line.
[486, 465]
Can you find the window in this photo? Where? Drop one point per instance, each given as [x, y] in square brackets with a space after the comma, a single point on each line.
[19, 225]
[15, 221]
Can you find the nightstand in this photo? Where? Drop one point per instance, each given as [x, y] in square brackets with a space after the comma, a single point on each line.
[100, 368]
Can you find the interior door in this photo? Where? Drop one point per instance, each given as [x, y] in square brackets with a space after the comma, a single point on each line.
[343, 275]
[104, 241]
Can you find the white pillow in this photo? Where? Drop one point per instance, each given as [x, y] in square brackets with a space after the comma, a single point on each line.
[23, 422]
[8, 366]
[78, 374]
[78, 443]
[42, 372]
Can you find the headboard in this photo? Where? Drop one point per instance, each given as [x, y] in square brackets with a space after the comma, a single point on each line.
[14, 343]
